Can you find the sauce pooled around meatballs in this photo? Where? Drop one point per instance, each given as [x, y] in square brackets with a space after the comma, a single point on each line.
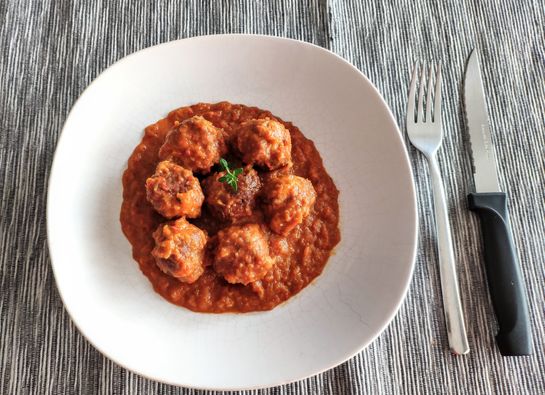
[228, 208]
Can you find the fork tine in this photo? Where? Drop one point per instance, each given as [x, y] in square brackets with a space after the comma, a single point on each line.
[437, 106]
[430, 91]
[420, 114]
[411, 116]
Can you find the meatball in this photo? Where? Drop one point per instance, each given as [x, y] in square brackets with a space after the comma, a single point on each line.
[242, 254]
[196, 144]
[287, 202]
[174, 192]
[179, 250]
[264, 142]
[227, 204]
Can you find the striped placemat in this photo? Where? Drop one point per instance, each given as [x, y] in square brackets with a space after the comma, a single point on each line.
[51, 50]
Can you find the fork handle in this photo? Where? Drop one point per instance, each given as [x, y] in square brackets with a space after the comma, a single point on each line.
[452, 304]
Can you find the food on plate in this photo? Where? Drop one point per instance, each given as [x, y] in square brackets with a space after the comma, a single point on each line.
[287, 202]
[195, 143]
[264, 142]
[228, 208]
[174, 192]
[179, 250]
[228, 203]
[242, 254]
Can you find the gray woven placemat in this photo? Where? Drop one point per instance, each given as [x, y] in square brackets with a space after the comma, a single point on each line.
[51, 50]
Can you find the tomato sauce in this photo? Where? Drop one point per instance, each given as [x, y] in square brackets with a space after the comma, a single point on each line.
[299, 257]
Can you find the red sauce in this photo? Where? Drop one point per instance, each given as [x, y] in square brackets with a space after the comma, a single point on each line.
[299, 257]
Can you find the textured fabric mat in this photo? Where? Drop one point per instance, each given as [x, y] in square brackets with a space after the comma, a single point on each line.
[51, 50]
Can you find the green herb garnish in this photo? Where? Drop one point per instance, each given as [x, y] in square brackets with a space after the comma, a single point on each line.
[231, 177]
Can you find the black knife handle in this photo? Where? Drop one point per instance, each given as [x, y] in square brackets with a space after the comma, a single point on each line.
[503, 274]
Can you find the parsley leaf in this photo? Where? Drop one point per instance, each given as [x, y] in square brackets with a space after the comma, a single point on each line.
[231, 177]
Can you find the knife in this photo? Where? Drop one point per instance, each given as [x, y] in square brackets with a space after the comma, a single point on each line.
[502, 270]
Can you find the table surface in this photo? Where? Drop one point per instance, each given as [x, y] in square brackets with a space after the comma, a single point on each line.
[51, 50]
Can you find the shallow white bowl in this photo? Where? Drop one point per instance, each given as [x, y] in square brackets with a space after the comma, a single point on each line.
[341, 312]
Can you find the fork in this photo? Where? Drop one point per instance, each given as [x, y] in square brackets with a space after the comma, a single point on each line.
[425, 133]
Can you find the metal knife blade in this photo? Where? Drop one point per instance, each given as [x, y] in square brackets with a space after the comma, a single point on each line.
[484, 158]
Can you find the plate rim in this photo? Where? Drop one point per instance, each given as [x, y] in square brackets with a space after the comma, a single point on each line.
[406, 160]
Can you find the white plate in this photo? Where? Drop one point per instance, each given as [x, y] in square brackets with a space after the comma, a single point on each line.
[112, 302]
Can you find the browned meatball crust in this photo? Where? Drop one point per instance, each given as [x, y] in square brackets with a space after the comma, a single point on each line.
[242, 254]
[227, 204]
[287, 202]
[174, 192]
[179, 250]
[196, 144]
[264, 142]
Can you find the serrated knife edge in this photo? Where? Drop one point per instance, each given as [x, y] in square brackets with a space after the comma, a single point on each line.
[482, 150]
